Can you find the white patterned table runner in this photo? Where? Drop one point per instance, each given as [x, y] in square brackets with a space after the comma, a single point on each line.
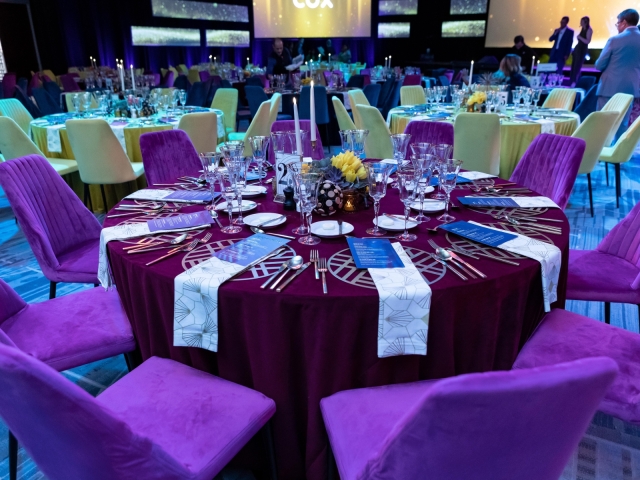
[405, 301]
[53, 138]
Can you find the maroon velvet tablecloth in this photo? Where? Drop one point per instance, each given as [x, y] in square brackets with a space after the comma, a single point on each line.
[300, 345]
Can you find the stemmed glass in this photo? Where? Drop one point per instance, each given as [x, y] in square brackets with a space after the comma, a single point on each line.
[182, 96]
[278, 142]
[400, 143]
[535, 97]
[345, 140]
[407, 185]
[76, 102]
[421, 148]
[448, 177]
[308, 199]
[431, 96]
[230, 192]
[377, 175]
[517, 95]
[103, 101]
[526, 97]
[443, 152]
[423, 163]
[358, 137]
[174, 100]
[86, 100]
[233, 158]
[443, 93]
[294, 172]
[259, 147]
[210, 164]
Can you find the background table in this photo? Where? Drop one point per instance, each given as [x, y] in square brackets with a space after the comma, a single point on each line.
[300, 346]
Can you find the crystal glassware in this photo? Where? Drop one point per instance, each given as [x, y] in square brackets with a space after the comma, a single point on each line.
[75, 99]
[442, 151]
[230, 192]
[210, 164]
[345, 140]
[535, 97]
[421, 147]
[408, 187]
[278, 141]
[358, 137]
[308, 200]
[234, 158]
[182, 96]
[400, 143]
[86, 101]
[259, 145]
[294, 169]
[423, 164]
[377, 176]
[448, 177]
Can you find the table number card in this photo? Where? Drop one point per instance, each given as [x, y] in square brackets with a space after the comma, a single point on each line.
[283, 174]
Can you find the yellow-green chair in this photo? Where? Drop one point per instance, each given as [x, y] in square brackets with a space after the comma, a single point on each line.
[344, 120]
[561, 98]
[202, 129]
[594, 131]
[412, 95]
[182, 68]
[50, 74]
[276, 101]
[14, 143]
[357, 97]
[621, 152]
[193, 75]
[163, 72]
[259, 126]
[476, 141]
[12, 108]
[226, 99]
[378, 143]
[68, 99]
[620, 103]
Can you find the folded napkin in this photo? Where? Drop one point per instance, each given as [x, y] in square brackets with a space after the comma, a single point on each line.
[118, 130]
[475, 175]
[405, 301]
[515, 202]
[53, 138]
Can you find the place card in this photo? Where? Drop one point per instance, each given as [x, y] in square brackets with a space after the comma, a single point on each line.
[513, 202]
[250, 249]
[374, 253]
[478, 233]
[178, 222]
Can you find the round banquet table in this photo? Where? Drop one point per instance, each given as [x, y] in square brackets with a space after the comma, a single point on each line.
[128, 132]
[300, 346]
[515, 135]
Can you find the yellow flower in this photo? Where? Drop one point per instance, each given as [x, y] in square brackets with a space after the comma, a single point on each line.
[361, 173]
[477, 97]
[350, 177]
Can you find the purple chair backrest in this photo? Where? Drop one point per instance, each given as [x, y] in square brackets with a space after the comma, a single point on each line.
[204, 75]
[412, 80]
[68, 82]
[429, 132]
[69, 433]
[167, 81]
[217, 79]
[167, 155]
[488, 425]
[289, 125]
[327, 75]
[10, 302]
[623, 240]
[9, 84]
[51, 215]
[550, 166]
[35, 82]
[156, 79]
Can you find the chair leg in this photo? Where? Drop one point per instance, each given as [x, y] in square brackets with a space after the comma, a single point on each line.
[618, 186]
[331, 463]
[13, 457]
[267, 436]
[590, 193]
[607, 313]
[606, 172]
[104, 199]
[52, 290]
[87, 196]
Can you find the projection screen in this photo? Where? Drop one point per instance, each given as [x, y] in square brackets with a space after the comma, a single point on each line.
[537, 19]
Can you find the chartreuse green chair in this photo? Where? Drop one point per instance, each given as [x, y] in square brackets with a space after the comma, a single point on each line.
[344, 120]
[14, 143]
[561, 98]
[620, 103]
[226, 99]
[621, 152]
[412, 95]
[594, 131]
[259, 126]
[68, 99]
[202, 129]
[356, 98]
[193, 75]
[476, 141]
[378, 143]
[274, 113]
[12, 108]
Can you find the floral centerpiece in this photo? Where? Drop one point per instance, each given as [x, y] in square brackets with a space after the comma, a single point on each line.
[306, 81]
[350, 176]
[476, 101]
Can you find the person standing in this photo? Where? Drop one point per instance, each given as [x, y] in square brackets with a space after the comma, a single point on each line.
[278, 59]
[619, 62]
[524, 51]
[584, 39]
[563, 40]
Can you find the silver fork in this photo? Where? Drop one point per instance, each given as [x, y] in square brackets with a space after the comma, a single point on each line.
[313, 258]
[322, 267]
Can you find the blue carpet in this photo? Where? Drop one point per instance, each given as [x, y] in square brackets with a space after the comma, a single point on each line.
[609, 450]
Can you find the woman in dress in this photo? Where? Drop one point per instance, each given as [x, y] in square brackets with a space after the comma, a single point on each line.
[584, 39]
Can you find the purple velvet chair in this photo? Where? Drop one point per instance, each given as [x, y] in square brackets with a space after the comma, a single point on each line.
[167, 81]
[550, 166]
[611, 272]
[164, 420]
[477, 426]
[68, 82]
[167, 155]
[9, 82]
[289, 125]
[217, 79]
[412, 80]
[204, 75]
[565, 336]
[156, 79]
[63, 234]
[429, 132]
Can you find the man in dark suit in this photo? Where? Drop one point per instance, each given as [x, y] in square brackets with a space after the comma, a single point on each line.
[563, 40]
[524, 51]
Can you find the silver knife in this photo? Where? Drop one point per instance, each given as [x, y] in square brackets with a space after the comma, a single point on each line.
[270, 279]
[470, 267]
[275, 219]
[253, 264]
[302, 269]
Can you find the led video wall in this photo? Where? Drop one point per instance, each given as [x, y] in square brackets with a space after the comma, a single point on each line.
[165, 37]
[397, 7]
[468, 7]
[200, 10]
[227, 38]
[394, 30]
[463, 28]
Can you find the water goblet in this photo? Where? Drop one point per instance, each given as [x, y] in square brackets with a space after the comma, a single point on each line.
[345, 140]
[535, 98]
[308, 200]
[75, 99]
[259, 146]
[444, 90]
[408, 187]
[423, 165]
[358, 138]
[210, 164]
[377, 176]
[421, 148]
[400, 143]
[443, 152]
[182, 96]
[86, 101]
[448, 177]
[230, 192]
[278, 140]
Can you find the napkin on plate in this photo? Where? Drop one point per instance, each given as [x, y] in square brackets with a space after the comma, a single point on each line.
[403, 315]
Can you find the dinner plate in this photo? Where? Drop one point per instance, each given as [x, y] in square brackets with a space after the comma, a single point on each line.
[253, 191]
[429, 205]
[329, 228]
[258, 218]
[246, 206]
[394, 225]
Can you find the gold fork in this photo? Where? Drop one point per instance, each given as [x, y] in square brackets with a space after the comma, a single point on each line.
[322, 267]
[188, 248]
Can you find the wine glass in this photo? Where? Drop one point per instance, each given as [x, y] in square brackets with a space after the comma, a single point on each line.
[535, 97]
[308, 200]
[448, 177]
[443, 152]
[423, 164]
[174, 100]
[230, 192]
[345, 140]
[358, 138]
[407, 185]
[278, 140]
[259, 146]
[517, 95]
[75, 99]
[377, 175]
[182, 96]
[421, 148]
[86, 101]
[400, 143]
[443, 93]
[210, 164]
[233, 158]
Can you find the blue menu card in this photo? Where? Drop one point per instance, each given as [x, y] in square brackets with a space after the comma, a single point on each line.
[186, 220]
[488, 201]
[478, 233]
[190, 196]
[374, 253]
[250, 249]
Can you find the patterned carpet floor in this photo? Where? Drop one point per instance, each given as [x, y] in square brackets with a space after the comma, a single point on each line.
[610, 450]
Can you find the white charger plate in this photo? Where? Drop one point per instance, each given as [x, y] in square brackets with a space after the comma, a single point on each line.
[395, 225]
[317, 228]
[253, 191]
[429, 205]
[246, 206]
[258, 218]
